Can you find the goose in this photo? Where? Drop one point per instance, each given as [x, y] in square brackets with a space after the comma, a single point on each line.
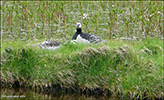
[51, 44]
[81, 37]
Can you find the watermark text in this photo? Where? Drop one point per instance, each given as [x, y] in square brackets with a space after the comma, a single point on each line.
[13, 96]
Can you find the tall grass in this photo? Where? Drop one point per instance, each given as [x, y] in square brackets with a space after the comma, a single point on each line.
[133, 70]
[54, 19]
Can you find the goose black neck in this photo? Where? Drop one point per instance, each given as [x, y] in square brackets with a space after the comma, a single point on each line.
[79, 30]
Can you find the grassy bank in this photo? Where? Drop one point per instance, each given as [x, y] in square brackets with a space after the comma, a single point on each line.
[131, 69]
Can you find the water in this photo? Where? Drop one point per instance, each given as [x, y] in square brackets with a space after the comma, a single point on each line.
[28, 94]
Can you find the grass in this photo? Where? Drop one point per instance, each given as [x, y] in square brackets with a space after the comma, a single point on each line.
[132, 69]
[126, 68]
[26, 20]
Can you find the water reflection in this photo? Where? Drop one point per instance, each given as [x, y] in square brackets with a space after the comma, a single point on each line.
[21, 93]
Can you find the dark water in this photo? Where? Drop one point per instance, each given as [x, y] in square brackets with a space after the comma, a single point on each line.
[28, 94]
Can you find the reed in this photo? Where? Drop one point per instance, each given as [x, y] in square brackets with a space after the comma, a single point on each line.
[54, 19]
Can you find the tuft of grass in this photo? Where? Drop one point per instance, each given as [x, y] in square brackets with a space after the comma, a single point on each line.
[117, 68]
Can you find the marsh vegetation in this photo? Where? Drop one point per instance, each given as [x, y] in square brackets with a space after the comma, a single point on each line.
[129, 64]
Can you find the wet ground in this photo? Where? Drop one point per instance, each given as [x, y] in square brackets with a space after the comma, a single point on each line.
[28, 94]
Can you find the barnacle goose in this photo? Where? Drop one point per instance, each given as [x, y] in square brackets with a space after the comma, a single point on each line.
[81, 37]
[51, 44]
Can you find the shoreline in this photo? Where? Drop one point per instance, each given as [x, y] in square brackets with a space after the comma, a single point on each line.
[107, 69]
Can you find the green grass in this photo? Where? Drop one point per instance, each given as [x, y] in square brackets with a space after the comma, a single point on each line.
[125, 67]
[120, 66]
[32, 20]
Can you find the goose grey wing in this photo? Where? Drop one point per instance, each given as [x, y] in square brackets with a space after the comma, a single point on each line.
[90, 37]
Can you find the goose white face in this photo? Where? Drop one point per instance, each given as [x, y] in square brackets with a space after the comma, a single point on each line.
[78, 25]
